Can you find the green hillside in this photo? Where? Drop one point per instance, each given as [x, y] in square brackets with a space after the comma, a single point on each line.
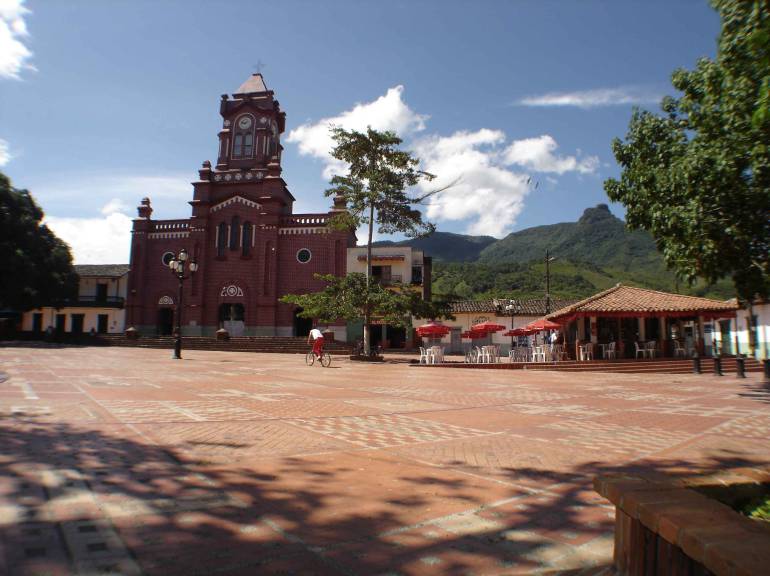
[592, 254]
[447, 246]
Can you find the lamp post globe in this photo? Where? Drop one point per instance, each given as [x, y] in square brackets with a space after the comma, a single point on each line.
[177, 267]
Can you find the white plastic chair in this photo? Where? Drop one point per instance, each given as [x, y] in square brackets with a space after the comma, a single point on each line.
[651, 348]
[610, 352]
[586, 352]
[679, 350]
[423, 356]
[642, 351]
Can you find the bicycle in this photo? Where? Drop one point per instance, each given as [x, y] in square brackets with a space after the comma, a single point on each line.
[326, 359]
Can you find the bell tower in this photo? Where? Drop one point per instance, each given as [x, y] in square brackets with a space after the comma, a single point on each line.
[252, 124]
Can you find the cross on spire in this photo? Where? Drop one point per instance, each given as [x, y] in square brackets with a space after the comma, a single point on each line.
[259, 66]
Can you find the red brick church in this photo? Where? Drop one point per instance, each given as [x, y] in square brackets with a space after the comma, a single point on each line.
[250, 246]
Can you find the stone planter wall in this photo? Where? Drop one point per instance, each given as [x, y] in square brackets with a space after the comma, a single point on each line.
[663, 529]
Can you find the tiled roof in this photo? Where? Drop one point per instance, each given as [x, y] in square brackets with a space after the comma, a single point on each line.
[620, 300]
[101, 270]
[532, 307]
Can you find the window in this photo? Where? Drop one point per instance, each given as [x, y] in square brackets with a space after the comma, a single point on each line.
[101, 292]
[221, 238]
[416, 274]
[273, 140]
[243, 140]
[235, 232]
[246, 239]
[304, 255]
[166, 258]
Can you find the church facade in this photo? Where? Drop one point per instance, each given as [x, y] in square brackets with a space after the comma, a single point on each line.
[249, 245]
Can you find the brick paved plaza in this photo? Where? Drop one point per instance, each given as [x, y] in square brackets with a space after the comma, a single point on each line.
[125, 461]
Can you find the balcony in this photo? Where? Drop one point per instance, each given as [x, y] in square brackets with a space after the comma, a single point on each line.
[96, 302]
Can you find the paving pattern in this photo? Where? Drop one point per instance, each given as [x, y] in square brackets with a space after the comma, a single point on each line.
[124, 461]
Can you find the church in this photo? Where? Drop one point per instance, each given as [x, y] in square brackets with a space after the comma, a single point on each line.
[249, 245]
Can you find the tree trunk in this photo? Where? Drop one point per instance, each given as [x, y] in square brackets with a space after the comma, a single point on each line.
[367, 317]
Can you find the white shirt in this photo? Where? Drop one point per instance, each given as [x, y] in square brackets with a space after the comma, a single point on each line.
[316, 334]
[554, 337]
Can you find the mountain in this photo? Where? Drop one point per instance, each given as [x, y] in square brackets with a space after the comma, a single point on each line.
[598, 237]
[592, 254]
[446, 246]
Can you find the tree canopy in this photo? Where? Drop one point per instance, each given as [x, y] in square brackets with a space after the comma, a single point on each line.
[698, 176]
[349, 298]
[35, 266]
[375, 190]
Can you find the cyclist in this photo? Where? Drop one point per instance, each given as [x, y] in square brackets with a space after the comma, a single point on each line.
[317, 338]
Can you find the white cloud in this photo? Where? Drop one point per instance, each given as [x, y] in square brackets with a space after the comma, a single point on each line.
[14, 55]
[482, 190]
[96, 240]
[595, 98]
[5, 152]
[115, 205]
[537, 154]
[388, 112]
[105, 237]
[486, 194]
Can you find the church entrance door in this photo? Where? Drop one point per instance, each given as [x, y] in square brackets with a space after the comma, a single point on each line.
[165, 321]
[231, 318]
[302, 326]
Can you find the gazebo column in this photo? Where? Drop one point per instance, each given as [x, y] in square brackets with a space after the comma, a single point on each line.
[621, 350]
[642, 332]
[594, 330]
[664, 351]
[700, 346]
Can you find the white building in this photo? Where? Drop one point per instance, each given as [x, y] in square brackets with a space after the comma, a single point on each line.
[752, 330]
[99, 305]
[391, 265]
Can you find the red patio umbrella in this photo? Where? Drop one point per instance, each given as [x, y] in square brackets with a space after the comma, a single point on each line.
[487, 327]
[519, 332]
[433, 330]
[473, 335]
[543, 324]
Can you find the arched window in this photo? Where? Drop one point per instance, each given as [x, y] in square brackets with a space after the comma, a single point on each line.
[221, 239]
[235, 232]
[243, 139]
[273, 140]
[246, 239]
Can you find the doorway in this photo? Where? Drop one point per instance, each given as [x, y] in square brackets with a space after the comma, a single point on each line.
[37, 323]
[77, 323]
[302, 326]
[101, 323]
[60, 321]
[165, 321]
[231, 318]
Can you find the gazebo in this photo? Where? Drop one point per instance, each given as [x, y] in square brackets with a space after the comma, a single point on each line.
[660, 322]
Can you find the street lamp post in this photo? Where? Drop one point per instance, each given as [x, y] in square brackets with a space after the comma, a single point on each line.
[512, 307]
[177, 266]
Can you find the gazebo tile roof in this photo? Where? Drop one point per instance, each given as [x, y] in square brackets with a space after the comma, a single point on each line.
[632, 300]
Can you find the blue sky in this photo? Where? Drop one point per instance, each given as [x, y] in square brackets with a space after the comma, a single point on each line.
[102, 103]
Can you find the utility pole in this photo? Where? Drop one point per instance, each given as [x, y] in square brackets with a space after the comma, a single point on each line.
[548, 260]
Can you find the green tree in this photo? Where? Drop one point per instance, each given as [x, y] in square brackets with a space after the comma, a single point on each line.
[698, 177]
[351, 297]
[35, 266]
[375, 191]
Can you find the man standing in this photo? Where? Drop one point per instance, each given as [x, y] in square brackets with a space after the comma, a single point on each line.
[317, 338]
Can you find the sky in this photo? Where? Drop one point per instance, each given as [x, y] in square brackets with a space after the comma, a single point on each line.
[515, 103]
